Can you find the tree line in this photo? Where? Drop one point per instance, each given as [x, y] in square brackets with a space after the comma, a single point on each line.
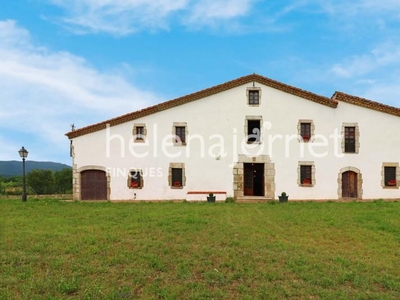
[39, 182]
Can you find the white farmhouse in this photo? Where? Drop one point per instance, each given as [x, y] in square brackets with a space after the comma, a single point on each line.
[249, 138]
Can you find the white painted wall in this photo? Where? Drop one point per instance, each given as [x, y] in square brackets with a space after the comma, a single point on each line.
[224, 114]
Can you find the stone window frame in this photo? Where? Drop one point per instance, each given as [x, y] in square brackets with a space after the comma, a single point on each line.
[248, 96]
[313, 180]
[174, 140]
[176, 166]
[390, 164]
[312, 130]
[253, 118]
[357, 137]
[129, 180]
[136, 136]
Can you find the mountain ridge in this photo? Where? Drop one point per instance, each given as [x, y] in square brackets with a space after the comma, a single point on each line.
[10, 168]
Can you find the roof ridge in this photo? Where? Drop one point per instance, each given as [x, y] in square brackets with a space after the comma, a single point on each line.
[201, 94]
[363, 102]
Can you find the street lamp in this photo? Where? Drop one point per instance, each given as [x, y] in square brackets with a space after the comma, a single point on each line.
[24, 154]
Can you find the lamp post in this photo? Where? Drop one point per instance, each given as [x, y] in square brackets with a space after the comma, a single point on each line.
[24, 154]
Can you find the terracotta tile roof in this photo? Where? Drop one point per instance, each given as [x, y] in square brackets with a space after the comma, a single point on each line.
[201, 94]
[339, 96]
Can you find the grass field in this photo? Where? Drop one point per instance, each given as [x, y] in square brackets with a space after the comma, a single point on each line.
[72, 250]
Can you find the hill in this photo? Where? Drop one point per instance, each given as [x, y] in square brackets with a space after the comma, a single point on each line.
[14, 168]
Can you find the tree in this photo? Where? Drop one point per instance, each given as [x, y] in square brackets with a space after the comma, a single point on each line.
[41, 181]
[63, 181]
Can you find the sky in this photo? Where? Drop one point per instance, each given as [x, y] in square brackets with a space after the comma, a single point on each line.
[81, 62]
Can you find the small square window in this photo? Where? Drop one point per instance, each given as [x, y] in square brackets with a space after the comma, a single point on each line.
[135, 180]
[254, 97]
[390, 176]
[139, 132]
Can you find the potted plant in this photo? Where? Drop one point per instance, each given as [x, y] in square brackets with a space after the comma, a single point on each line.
[283, 197]
[211, 197]
[177, 184]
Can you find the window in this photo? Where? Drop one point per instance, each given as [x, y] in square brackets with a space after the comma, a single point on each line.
[135, 180]
[253, 129]
[177, 175]
[179, 132]
[350, 141]
[253, 96]
[390, 175]
[305, 130]
[139, 132]
[306, 173]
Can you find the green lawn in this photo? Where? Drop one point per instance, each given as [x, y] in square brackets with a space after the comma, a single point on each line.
[52, 249]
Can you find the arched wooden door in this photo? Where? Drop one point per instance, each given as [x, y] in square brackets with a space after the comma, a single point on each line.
[349, 185]
[93, 185]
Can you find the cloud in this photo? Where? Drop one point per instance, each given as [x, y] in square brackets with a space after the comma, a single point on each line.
[375, 73]
[122, 17]
[43, 92]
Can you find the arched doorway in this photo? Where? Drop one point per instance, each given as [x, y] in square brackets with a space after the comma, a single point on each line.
[93, 185]
[349, 185]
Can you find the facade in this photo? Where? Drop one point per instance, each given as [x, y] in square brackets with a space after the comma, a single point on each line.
[249, 138]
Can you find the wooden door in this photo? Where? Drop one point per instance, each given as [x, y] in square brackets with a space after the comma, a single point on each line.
[93, 185]
[253, 180]
[349, 185]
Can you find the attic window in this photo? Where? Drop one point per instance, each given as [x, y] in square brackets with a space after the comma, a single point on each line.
[139, 132]
[179, 132]
[253, 96]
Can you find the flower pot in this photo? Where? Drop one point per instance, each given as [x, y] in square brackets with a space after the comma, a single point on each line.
[210, 198]
[283, 198]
